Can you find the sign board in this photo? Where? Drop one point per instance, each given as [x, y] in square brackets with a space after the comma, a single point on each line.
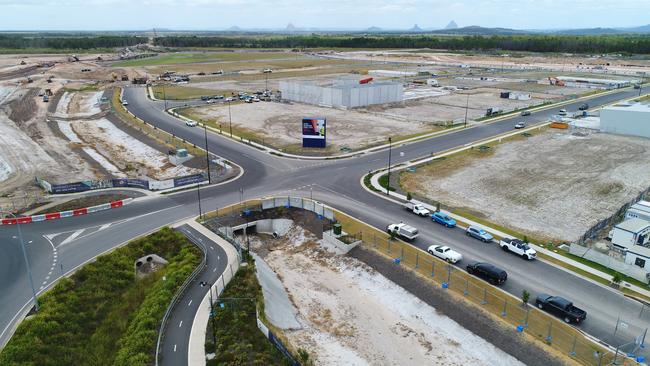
[314, 132]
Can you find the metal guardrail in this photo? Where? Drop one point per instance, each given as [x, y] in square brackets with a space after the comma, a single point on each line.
[178, 294]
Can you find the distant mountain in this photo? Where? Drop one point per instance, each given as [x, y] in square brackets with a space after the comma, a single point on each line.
[234, 28]
[415, 28]
[475, 29]
[291, 28]
[374, 29]
[452, 25]
[641, 29]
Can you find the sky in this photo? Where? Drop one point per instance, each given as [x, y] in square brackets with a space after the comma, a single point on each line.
[330, 14]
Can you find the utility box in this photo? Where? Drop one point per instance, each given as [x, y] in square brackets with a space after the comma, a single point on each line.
[337, 229]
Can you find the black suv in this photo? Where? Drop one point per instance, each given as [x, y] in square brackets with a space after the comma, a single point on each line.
[488, 272]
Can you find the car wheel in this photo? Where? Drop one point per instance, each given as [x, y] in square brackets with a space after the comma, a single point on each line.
[524, 256]
[430, 252]
[448, 260]
[466, 233]
[470, 271]
[567, 320]
[540, 305]
[505, 248]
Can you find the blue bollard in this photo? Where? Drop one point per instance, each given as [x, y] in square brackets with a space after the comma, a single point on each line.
[445, 285]
[520, 328]
[640, 359]
[397, 260]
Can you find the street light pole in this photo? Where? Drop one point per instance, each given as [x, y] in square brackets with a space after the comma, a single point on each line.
[390, 147]
[198, 192]
[466, 107]
[164, 95]
[29, 270]
[207, 152]
[230, 118]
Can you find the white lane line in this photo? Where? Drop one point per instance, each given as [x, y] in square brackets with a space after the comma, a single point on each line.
[189, 303]
[72, 237]
[105, 226]
[180, 324]
[174, 348]
[29, 242]
[211, 247]
[47, 278]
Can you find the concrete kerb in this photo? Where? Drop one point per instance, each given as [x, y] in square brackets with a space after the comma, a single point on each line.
[172, 112]
[196, 348]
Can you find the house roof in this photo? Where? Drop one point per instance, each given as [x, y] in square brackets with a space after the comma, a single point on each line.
[634, 225]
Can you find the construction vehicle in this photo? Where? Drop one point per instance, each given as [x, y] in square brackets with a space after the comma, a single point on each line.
[555, 81]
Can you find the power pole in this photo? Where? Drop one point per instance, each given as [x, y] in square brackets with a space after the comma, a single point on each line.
[29, 270]
[164, 95]
[390, 146]
[207, 152]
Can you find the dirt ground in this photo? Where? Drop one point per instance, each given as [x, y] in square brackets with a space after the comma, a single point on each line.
[279, 124]
[554, 185]
[352, 315]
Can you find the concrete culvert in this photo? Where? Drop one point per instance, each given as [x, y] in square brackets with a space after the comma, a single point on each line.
[275, 234]
[149, 258]
[138, 264]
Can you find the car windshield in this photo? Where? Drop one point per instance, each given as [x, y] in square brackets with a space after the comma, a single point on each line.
[444, 217]
[482, 232]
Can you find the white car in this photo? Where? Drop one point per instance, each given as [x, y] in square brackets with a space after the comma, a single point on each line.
[445, 252]
[209, 101]
[191, 123]
[124, 102]
[520, 125]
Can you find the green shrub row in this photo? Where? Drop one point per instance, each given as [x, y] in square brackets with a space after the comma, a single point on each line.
[103, 314]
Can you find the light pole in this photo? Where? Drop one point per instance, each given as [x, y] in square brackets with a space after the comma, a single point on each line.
[390, 147]
[198, 193]
[230, 118]
[207, 152]
[466, 107]
[29, 270]
[164, 95]
[214, 333]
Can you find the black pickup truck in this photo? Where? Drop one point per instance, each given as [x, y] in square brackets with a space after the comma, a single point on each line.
[560, 307]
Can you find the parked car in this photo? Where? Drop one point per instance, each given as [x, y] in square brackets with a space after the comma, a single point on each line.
[525, 113]
[209, 101]
[584, 107]
[191, 123]
[204, 98]
[560, 307]
[562, 112]
[417, 208]
[520, 125]
[478, 233]
[443, 219]
[518, 247]
[402, 230]
[446, 253]
[229, 99]
[124, 102]
[488, 272]
[218, 97]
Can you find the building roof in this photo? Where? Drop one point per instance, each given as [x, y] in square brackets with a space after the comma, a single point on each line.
[633, 225]
[634, 107]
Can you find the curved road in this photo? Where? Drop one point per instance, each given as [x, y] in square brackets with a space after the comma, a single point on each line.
[58, 246]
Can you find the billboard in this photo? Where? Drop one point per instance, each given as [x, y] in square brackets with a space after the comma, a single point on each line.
[313, 132]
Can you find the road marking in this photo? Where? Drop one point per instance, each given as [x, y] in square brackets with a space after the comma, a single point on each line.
[174, 348]
[72, 237]
[215, 269]
[189, 303]
[105, 226]
[211, 247]
[29, 242]
[47, 278]
[180, 324]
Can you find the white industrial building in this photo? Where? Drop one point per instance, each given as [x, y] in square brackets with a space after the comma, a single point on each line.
[626, 119]
[342, 93]
[594, 82]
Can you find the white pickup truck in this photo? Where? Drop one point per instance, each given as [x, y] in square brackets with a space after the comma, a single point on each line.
[418, 209]
[402, 230]
[518, 247]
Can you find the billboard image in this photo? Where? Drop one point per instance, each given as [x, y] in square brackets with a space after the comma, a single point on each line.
[313, 132]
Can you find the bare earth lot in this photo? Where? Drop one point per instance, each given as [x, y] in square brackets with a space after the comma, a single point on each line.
[554, 185]
[279, 124]
[351, 315]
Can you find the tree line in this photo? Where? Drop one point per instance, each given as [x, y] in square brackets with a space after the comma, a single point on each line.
[71, 42]
[628, 44]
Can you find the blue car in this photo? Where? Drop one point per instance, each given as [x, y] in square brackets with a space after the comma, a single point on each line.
[478, 233]
[443, 219]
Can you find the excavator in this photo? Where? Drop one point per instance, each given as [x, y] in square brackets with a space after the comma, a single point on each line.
[555, 81]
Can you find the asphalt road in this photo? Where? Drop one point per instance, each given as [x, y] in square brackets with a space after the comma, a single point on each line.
[335, 182]
[175, 344]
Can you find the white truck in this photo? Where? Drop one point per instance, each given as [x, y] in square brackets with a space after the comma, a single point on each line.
[402, 230]
[418, 209]
[518, 247]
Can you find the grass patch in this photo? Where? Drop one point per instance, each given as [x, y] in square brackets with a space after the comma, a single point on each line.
[194, 57]
[84, 202]
[103, 314]
[239, 341]
[383, 182]
[185, 92]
